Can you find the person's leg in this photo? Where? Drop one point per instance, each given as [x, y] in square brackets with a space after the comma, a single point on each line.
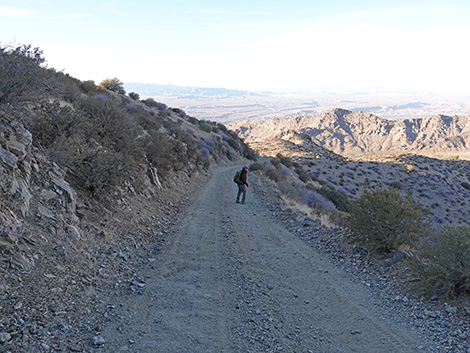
[243, 193]
[239, 193]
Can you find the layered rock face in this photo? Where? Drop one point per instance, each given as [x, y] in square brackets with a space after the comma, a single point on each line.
[355, 134]
[35, 200]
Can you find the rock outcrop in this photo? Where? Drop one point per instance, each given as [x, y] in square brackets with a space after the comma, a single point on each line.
[355, 134]
[33, 195]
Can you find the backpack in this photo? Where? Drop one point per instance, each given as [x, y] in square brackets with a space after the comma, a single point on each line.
[237, 177]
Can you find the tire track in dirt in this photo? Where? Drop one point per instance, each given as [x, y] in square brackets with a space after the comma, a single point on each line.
[231, 279]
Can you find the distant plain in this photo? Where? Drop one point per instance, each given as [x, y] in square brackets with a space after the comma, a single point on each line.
[231, 106]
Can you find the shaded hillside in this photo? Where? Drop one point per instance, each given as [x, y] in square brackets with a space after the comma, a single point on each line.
[355, 134]
[88, 175]
[66, 143]
[441, 185]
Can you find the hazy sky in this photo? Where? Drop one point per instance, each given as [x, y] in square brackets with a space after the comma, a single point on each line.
[251, 44]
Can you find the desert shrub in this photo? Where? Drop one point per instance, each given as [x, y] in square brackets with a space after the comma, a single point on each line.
[21, 75]
[396, 185]
[466, 185]
[229, 152]
[204, 127]
[275, 162]
[246, 151]
[383, 219]
[234, 143]
[52, 121]
[88, 87]
[302, 174]
[339, 198]
[442, 262]
[193, 120]
[285, 160]
[179, 112]
[249, 154]
[274, 175]
[149, 102]
[134, 96]
[131, 108]
[257, 166]
[222, 127]
[285, 171]
[105, 170]
[113, 84]
[290, 191]
[312, 198]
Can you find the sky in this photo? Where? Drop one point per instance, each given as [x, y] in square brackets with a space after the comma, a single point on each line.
[408, 45]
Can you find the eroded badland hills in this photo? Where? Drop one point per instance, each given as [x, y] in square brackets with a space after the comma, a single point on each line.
[357, 151]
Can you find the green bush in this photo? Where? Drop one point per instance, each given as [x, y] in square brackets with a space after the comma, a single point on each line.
[222, 127]
[274, 175]
[396, 185]
[193, 120]
[285, 160]
[339, 198]
[442, 262]
[257, 166]
[234, 143]
[301, 173]
[383, 220]
[134, 96]
[21, 76]
[113, 84]
[88, 87]
[204, 127]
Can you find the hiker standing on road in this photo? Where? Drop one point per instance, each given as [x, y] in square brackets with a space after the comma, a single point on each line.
[242, 184]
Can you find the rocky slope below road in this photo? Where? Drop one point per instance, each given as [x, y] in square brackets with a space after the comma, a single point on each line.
[355, 134]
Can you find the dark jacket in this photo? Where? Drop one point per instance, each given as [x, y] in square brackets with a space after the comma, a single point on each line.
[243, 177]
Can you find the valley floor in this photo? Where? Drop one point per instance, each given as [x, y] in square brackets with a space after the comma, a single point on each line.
[232, 278]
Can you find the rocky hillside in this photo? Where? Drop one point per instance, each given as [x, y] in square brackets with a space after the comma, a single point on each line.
[87, 173]
[355, 134]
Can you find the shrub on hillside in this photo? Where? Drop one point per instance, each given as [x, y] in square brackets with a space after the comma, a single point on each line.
[52, 122]
[193, 120]
[134, 96]
[222, 127]
[312, 198]
[88, 87]
[247, 152]
[339, 198]
[257, 166]
[21, 75]
[113, 84]
[466, 185]
[275, 162]
[301, 173]
[285, 160]
[383, 220]
[204, 127]
[442, 262]
[274, 175]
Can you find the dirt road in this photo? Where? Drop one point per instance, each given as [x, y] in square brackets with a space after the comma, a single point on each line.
[231, 279]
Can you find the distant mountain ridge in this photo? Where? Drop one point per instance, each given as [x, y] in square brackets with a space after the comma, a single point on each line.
[185, 92]
[357, 133]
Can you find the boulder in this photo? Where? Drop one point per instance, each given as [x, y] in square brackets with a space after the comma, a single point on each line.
[8, 159]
